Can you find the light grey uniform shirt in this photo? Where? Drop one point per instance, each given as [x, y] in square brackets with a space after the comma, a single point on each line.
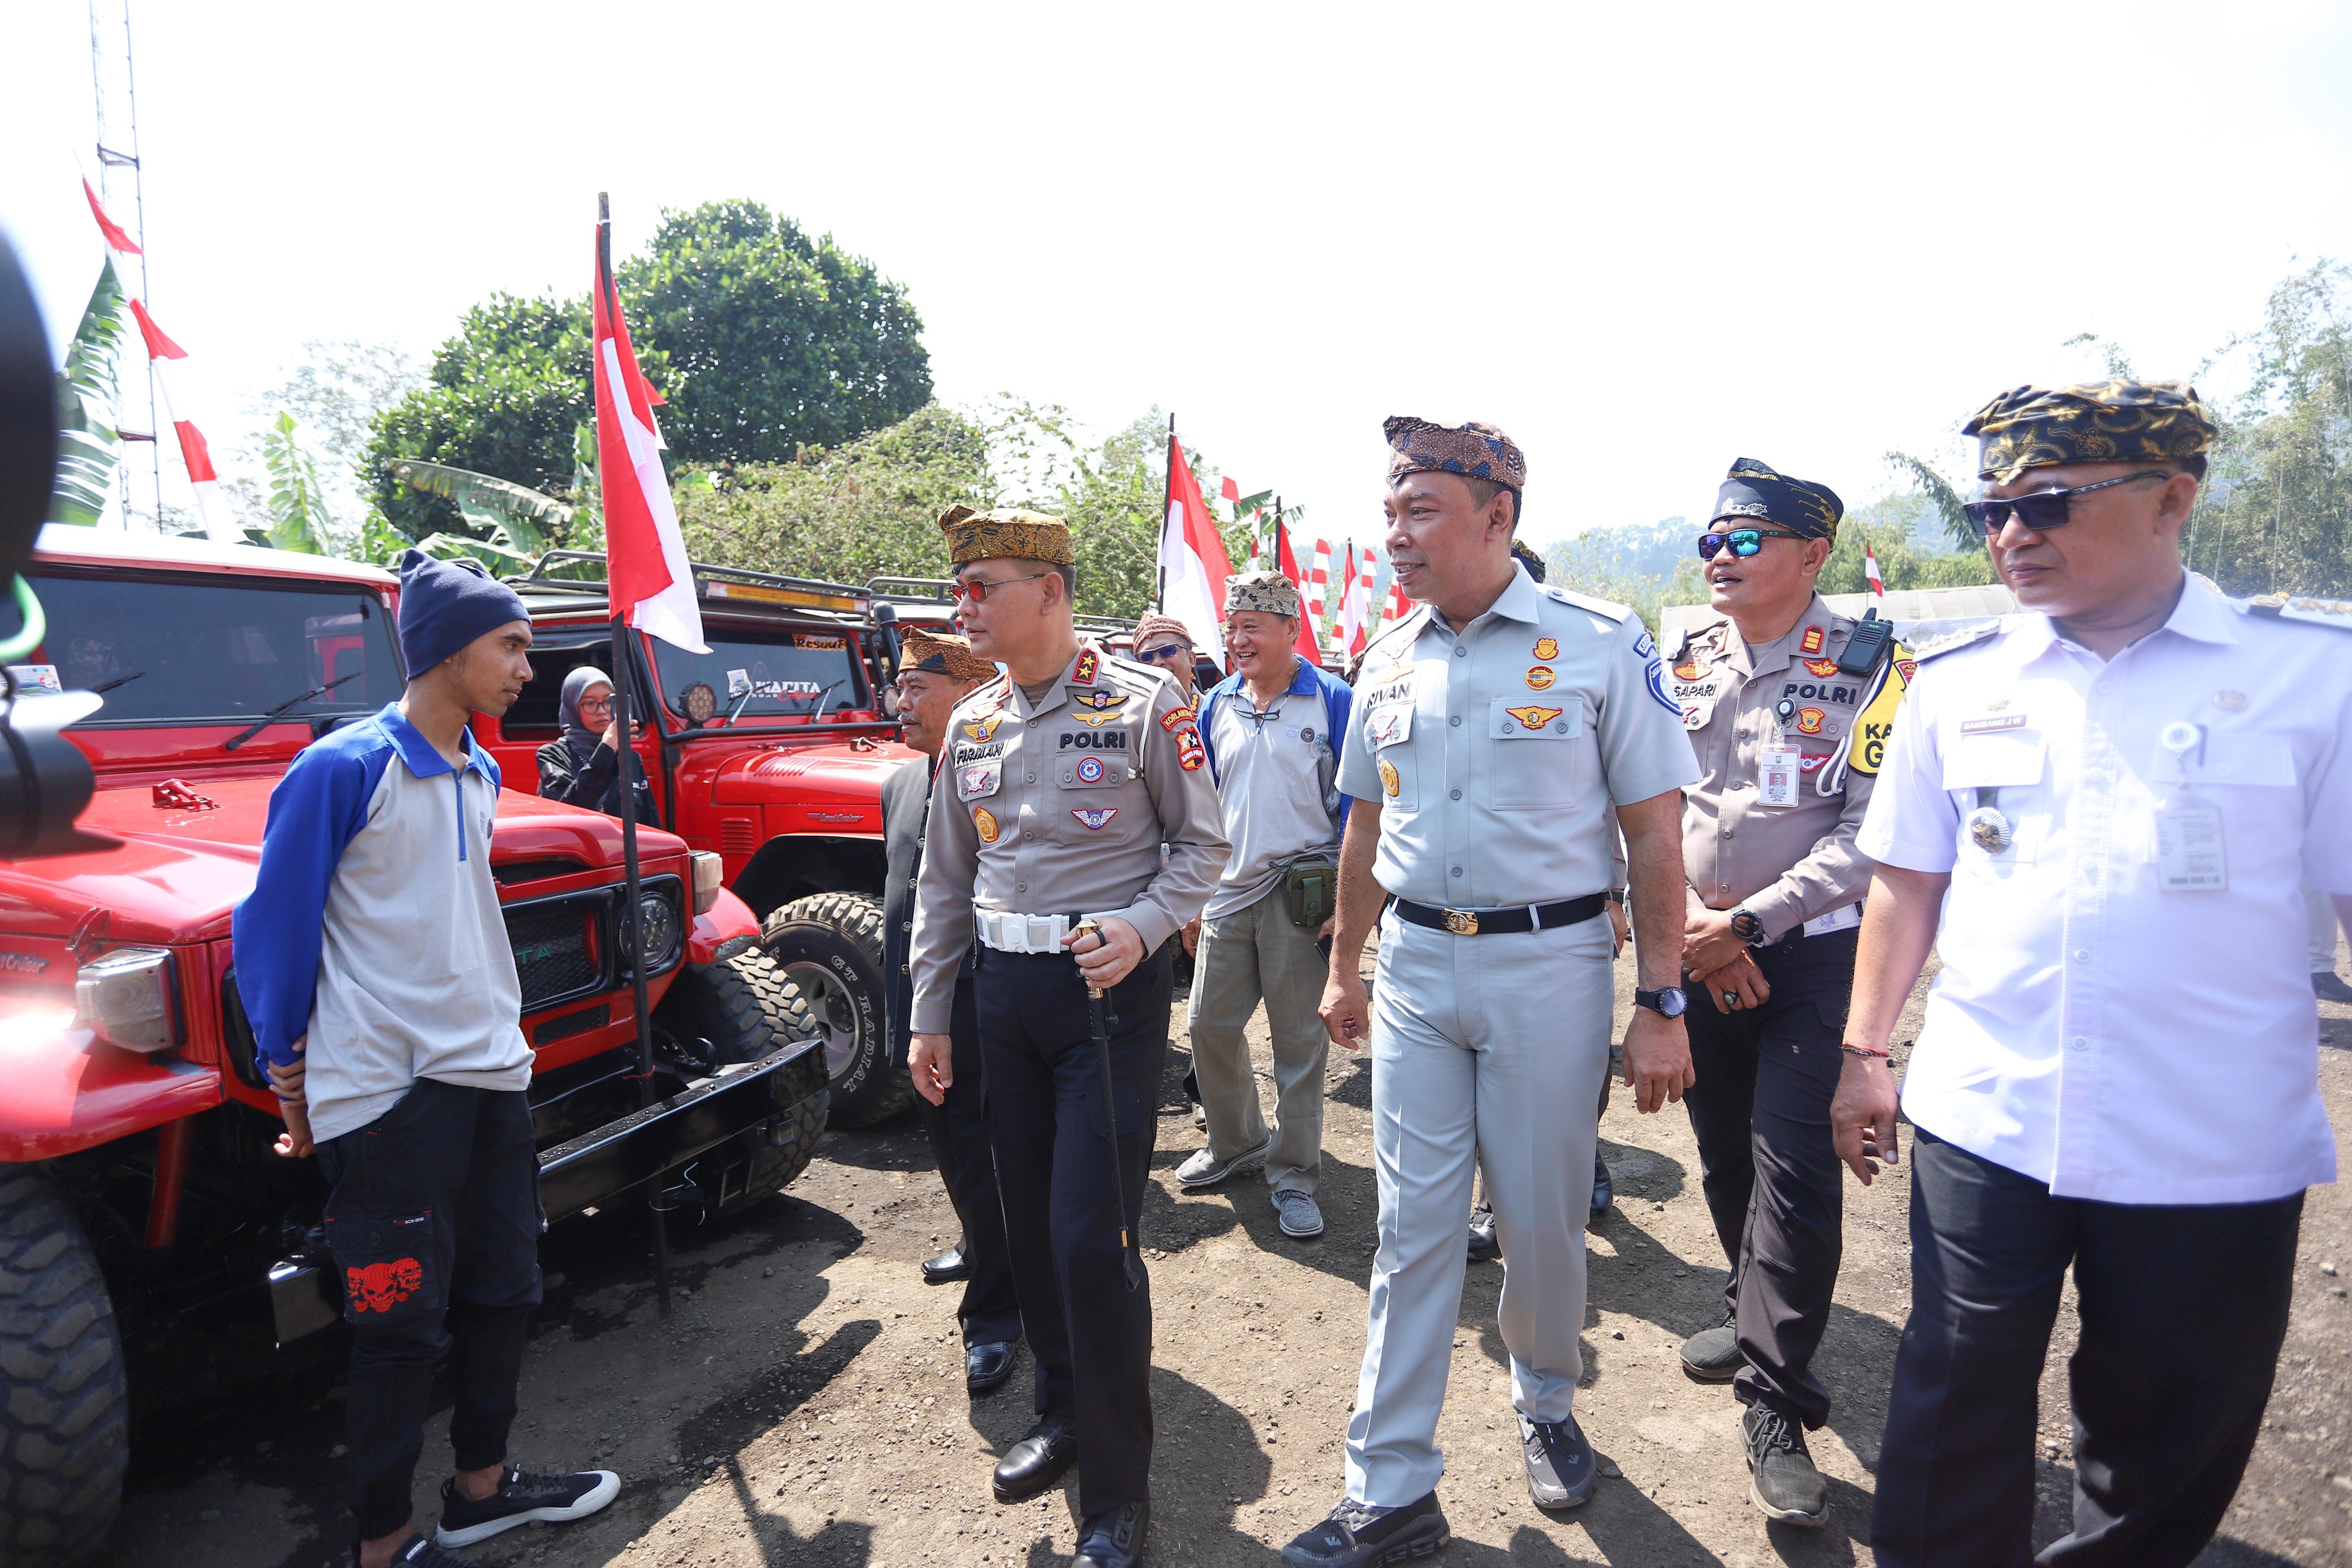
[1495, 750]
[1063, 807]
[1274, 763]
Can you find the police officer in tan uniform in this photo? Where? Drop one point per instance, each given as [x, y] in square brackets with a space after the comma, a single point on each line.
[1061, 785]
[1788, 706]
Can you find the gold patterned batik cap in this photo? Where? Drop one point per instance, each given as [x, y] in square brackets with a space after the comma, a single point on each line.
[1006, 534]
[1268, 593]
[1754, 490]
[1476, 451]
[2095, 422]
[943, 654]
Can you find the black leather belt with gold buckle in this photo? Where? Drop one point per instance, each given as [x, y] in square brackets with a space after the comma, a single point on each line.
[1503, 922]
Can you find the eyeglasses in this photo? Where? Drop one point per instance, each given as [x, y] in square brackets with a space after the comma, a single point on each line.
[2044, 510]
[1741, 542]
[976, 589]
[1166, 653]
[596, 705]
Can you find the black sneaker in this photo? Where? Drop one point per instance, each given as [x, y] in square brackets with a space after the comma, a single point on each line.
[1785, 1484]
[522, 1497]
[1483, 1246]
[1712, 1355]
[1357, 1535]
[1561, 1471]
[2329, 987]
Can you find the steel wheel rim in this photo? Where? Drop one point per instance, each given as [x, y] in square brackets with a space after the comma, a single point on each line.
[833, 1011]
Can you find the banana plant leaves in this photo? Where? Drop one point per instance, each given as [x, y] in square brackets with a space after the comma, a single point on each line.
[298, 502]
[88, 449]
[511, 515]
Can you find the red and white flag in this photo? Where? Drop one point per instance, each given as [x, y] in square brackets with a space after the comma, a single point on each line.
[1870, 568]
[1351, 635]
[652, 585]
[196, 454]
[1306, 647]
[1319, 584]
[1193, 565]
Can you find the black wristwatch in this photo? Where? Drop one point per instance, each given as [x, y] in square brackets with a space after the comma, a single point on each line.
[1667, 1001]
[1748, 928]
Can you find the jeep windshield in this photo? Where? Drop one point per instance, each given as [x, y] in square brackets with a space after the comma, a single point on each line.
[760, 676]
[202, 649]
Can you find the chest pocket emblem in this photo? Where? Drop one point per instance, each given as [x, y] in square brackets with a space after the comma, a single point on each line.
[1535, 717]
[1090, 769]
[1389, 780]
[1540, 678]
[1094, 720]
[1547, 647]
[1095, 817]
[1822, 666]
[985, 729]
[971, 782]
[1809, 720]
[1388, 725]
[1098, 701]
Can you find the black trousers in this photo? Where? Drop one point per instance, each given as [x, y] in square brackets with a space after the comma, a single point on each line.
[990, 1314]
[1760, 1109]
[2183, 1310]
[1091, 1334]
[434, 1221]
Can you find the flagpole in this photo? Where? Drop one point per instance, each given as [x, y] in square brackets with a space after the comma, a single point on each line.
[1167, 495]
[623, 689]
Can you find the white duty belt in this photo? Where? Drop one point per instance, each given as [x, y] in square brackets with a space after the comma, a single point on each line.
[1021, 933]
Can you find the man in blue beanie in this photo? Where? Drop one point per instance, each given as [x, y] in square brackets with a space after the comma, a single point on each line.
[371, 948]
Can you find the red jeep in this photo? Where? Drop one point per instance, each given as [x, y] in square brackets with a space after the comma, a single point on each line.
[768, 751]
[138, 1192]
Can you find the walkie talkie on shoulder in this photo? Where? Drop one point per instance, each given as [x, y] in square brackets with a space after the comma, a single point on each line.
[1867, 646]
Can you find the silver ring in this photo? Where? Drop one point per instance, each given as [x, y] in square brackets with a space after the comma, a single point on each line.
[1731, 998]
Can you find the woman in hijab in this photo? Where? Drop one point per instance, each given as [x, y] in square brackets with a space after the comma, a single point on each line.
[583, 769]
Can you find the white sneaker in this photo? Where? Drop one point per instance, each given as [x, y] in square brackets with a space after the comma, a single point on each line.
[1204, 1169]
[1301, 1219]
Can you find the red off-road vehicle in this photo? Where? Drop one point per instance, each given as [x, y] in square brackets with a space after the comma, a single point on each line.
[770, 752]
[139, 1194]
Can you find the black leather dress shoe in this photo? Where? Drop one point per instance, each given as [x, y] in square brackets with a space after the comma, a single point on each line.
[1037, 1460]
[986, 1365]
[1603, 1194]
[948, 1266]
[1113, 1539]
[1483, 1246]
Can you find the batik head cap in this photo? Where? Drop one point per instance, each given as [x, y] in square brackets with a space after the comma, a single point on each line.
[1476, 451]
[943, 654]
[1155, 625]
[1006, 534]
[2092, 421]
[1267, 592]
[1754, 490]
[1523, 553]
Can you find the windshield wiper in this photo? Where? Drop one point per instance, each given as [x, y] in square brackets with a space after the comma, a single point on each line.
[282, 709]
[106, 686]
[822, 696]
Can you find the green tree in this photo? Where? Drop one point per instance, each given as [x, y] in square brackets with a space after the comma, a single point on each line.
[762, 340]
[1891, 527]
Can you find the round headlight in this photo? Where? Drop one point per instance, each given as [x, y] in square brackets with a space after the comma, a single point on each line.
[656, 927]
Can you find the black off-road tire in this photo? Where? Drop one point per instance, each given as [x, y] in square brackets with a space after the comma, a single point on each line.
[64, 1400]
[746, 1009]
[830, 946]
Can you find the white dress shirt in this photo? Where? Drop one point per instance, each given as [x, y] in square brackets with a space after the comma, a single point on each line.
[2091, 1029]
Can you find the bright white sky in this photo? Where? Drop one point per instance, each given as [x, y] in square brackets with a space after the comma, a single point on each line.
[1643, 239]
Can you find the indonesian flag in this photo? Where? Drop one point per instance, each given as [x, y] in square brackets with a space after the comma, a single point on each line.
[1870, 567]
[652, 585]
[1287, 564]
[1192, 561]
[1318, 583]
[1350, 634]
[196, 454]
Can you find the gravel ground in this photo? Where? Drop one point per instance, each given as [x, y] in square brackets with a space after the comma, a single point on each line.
[803, 1403]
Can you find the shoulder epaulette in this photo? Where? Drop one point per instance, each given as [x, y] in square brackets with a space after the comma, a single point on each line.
[2335, 613]
[1615, 611]
[1936, 647]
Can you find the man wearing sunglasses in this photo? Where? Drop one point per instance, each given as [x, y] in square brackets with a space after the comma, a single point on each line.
[2098, 812]
[1163, 642]
[1073, 830]
[1789, 725]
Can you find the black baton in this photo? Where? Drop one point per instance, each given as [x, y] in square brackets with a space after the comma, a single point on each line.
[1101, 1026]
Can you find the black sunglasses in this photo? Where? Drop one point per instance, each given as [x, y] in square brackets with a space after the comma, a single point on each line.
[1741, 542]
[1167, 654]
[2044, 510]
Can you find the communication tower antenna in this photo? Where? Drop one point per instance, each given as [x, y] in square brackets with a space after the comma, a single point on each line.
[110, 158]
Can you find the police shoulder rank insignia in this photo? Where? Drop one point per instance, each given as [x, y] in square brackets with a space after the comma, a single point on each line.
[1094, 818]
[2336, 612]
[1190, 753]
[1822, 666]
[1176, 719]
[1811, 640]
[1098, 701]
[984, 823]
[1389, 780]
[1547, 647]
[1089, 663]
[1535, 717]
[1540, 678]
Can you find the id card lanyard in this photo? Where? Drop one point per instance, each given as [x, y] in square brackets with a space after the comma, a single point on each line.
[2191, 855]
[1777, 769]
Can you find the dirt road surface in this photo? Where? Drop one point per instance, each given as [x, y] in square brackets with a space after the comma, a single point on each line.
[804, 1403]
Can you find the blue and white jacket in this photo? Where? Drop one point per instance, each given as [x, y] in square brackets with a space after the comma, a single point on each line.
[373, 926]
[1339, 701]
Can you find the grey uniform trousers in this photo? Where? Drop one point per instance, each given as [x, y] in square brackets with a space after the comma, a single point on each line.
[1487, 1055]
[1256, 951]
